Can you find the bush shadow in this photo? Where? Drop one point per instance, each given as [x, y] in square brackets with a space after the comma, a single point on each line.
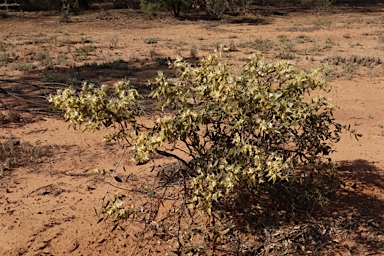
[35, 85]
[286, 224]
[363, 185]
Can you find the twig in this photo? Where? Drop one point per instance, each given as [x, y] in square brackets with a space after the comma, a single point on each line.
[113, 172]
[38, 85]
[17, 97]
[5, 106]
[132, 190]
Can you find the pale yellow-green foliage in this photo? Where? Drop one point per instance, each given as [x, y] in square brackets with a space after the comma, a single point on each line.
[238, 131]
[117, 209]
[241, 130]
[100, 106]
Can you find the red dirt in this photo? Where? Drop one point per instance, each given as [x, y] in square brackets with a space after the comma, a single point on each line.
[47, 208]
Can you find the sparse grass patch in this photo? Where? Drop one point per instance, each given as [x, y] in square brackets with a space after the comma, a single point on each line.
[133, 58]
[3, 47]
[204, 47]
[193, 52]
[65, 42]
[153, 53]
[151, 40]
[162, 61]
[353, 59]
[23, 66]
[310, 58]
[118, 64]
[335, 59]
[113, 42]
[168, 44]
[260, 44]
[81, 54]
[322, 23]
[14, 153]
[349, 70]
[4, 58]
[329, 43]
[285, 55]
[73, 79]
[14, 116]
[283, 38]
[44, 58]
[69, 78]
[286, 43]
[61, 59]
[315, 49]
[232, 46]
[87, 49]
[351, 64]
[181, 43]
[34, 42]
[84, 40]
[301, 39]
[3, 118]
[380, 38]
[15, 89]
[53, 78]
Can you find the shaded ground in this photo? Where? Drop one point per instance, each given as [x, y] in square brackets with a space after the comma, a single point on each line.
[46, 200]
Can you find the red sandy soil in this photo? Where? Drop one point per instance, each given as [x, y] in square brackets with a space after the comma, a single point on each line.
[47, 205]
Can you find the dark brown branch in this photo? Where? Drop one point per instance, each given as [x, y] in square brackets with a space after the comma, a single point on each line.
[19, 98]
[167, 154]
[39, 85]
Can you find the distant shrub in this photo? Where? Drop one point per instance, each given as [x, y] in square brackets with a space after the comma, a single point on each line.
[324, 5]
[35, 5]
[151, 7]
[219, 7]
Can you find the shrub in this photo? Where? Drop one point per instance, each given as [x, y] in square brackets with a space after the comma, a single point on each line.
[219, 7]
[324, 5]
[248, 139]
[150, 7]
[34, 5]
[242, 131]
[216, 8]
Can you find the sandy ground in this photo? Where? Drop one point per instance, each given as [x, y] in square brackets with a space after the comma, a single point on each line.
[47, 205]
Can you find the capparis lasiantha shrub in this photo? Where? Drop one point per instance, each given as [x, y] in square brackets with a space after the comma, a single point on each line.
[241, 131]
[266, 131]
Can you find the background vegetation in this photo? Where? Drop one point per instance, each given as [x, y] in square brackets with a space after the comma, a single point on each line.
[215, 8]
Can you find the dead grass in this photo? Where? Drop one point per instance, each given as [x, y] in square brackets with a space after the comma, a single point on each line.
[15, 153]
